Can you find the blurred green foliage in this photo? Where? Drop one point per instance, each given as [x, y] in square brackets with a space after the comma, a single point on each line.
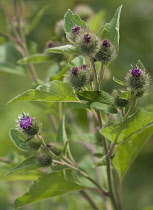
[135, 43]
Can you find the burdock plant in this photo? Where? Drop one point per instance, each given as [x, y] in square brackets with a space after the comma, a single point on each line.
[116, 129]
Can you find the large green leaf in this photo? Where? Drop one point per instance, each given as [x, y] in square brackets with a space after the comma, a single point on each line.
[135, 123]
[99, 100]
[28, 164]
[111, 30]
[71, 20]
[35, 58]
[18, 140]
[48, 186]
[50, 92]
[66, 49]
[128, 150]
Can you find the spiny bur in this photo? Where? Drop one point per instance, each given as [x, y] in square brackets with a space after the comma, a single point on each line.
[87, 43]
[107, 52]
[137, 81]
[80, 76]
[44, 159]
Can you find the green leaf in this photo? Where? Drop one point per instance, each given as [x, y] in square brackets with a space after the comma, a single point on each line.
[71, 20]
[98, 18]
[123, 131]
[129, 149]
[99, 100]
[35, 58]
[18, 140]
[47, 186]
[60, 75]
[101, 162]
[77, 61]
[66, 49]
[118, 81]
[111, 30]
[28, 164]
[36, 19]
[77, 105]
[50, 92]
[123, 94]
[61, 133]
[140, 65]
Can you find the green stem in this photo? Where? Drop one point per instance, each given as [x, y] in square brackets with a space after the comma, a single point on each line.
[95, 74]
[23, 43]
[108, 165]
[73, 167]
[5, 160]
[117, 187]
[102, 73]
[132, 105]
[108, 162]
[89, 199]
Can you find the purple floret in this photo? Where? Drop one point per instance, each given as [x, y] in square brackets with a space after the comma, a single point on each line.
[136, 72]
[87, 38]
[74, 70]
[75, 29]
[105, 43]
[25, 122]
[83, 66]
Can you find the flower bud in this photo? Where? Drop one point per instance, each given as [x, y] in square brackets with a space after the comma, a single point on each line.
[75, 31]
[107, 52]
[119, 100]
[56, 148]
[88, 43]
[137, 81]
[33, 143]
[80, 76]
[29, 126]
[44, 159]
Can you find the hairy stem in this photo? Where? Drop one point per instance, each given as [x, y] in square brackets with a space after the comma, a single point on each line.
[95, 74]
[104, 143]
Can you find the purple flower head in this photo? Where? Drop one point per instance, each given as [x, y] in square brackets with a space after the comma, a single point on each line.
[136, 72]
[83, 66]
[75, 29]
[25, 122]
[87, 38]
[106, 43]
[74, 70]
[50, 44]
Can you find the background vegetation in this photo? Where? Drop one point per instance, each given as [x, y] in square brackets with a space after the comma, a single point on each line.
[135, 43]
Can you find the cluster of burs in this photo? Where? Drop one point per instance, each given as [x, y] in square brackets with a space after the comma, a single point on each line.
[31, 129]
[89, 44]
